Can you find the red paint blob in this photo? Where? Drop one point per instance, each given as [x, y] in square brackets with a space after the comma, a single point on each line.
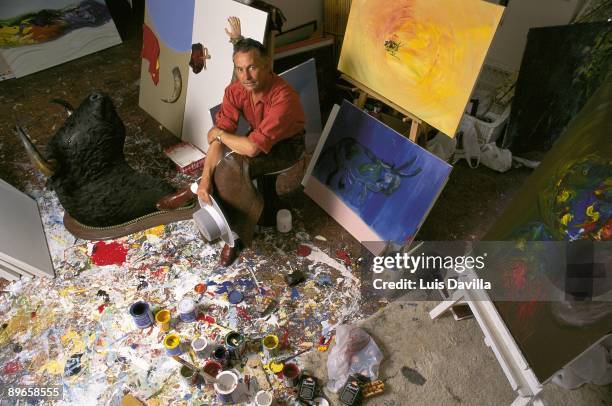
[303, 250]
[102, 307]
[243, 313]
[343, 255]
[11, 367]
[200, 288]
[112, 253]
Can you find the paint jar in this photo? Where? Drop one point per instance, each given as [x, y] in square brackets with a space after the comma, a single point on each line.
[291, 375]
[141, 314]
[162, 318]
[200, 347]
[283, 221]
[270, 345]
[172, 342]
[187, 310]
[220, 354]
[212, 368]
[235, 344]
[189, 376]
[226, 387]
[264, 398]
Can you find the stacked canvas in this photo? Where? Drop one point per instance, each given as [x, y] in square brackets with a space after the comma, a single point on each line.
[23, 246]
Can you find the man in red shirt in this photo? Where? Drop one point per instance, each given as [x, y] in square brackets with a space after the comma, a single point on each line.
[276, 140]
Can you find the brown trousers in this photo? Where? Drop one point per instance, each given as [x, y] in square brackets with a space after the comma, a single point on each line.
[241, 203]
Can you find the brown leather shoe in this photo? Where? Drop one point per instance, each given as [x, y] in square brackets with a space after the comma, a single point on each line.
[229, 254]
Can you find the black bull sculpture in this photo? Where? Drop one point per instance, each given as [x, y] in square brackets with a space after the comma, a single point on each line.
[87, 169]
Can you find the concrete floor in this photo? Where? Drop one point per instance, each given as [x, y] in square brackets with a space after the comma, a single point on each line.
[427, 362]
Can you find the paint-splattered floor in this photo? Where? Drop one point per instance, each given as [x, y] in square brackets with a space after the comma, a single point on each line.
[81, 319]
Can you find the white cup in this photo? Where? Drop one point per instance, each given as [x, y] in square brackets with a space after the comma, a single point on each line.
[283, 221]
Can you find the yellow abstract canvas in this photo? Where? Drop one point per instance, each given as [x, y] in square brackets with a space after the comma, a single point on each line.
[422, 55]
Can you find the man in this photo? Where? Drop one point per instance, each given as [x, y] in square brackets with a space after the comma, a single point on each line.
[275, 142]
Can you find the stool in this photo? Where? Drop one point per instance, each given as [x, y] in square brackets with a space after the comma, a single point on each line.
[266, 185]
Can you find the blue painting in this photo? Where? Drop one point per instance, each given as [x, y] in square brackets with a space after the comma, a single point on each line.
[387, 180]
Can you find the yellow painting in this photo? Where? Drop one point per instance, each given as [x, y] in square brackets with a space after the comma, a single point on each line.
[422, 55]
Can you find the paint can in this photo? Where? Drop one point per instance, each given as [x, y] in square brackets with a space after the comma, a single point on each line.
[220, 354]
[162, 318]
[212, 368]
[235, 344]
[291, 375]
[283, 221]
[189, 376]
[187, 310]
[172, 342]
[264, 398]
[142, 315]
[270, 345]
[200, 347]
[226, 387]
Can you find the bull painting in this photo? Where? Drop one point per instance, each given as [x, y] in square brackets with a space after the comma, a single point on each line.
[87, 169]
[357, 171]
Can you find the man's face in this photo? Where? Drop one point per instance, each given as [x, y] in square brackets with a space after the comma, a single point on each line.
[251, 70]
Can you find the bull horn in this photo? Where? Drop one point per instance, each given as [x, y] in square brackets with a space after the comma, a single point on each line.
[45, 167]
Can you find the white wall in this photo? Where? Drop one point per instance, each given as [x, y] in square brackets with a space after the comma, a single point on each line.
[509, 42]
[299, 12]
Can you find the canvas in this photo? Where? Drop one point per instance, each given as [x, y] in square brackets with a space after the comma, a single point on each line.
[561, 68]
[376, 183]
[37, 34]
[568, 198]
[165, 100]
[207, 87]
[422, 55]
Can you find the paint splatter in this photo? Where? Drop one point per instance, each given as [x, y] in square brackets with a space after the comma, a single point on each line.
[11, 367]
[112, 253]
[303, 250]
[73, 365]
[413, 376]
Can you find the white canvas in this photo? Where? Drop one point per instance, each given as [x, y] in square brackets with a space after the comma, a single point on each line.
[22, 238]
[207, 87]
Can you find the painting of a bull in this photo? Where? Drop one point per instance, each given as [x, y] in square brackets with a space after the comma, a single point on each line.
[356, 170]
[87, 169]
[374, 181]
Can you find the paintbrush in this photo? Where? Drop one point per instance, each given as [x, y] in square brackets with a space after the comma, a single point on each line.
[208, 376]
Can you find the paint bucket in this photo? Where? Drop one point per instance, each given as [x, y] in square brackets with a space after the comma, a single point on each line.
[211, 368]
[200, 347]
[220, 354]
[283, 221]
[141, 313]
[162, 318]
[189, 375]
[270, 345]
[172, 342]
[226, 387]
[291, 375]
[187, 310]
[235, 344]
[264, 398]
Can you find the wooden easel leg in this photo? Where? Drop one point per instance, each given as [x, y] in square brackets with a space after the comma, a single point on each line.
[361, 100]
[414, 131]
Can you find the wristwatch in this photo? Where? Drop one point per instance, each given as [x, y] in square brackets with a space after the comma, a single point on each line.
[218, 136]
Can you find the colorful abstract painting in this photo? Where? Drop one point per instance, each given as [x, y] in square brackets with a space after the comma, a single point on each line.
[422, 55]
[35, 35]
[568, 198]
[372, 180]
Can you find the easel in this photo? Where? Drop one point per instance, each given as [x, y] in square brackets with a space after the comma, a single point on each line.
[365, 92]
[497, 337]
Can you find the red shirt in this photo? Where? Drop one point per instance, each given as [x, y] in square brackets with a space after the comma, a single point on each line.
[276, 116]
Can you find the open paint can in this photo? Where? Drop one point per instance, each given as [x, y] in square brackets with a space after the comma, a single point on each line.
[264, 398]
[141, 314]
[212, 368]
[226, 387]
[220, 354]
[270, 345]
[172, 342]
[189, 376]
[235, 344]
[200, 347]
[291, 375]
[187, 310]
[162, 318]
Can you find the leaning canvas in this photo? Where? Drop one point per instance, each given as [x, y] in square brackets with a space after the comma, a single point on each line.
[375, 182]
[36, 34]
[422, 55]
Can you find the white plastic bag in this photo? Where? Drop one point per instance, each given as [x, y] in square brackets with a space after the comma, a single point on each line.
[355, 352]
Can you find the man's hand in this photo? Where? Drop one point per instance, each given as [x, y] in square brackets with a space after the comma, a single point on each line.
[204, 189]
[234, 30]
[212, 134]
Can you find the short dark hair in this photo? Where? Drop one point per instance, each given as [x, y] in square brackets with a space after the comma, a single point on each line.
[247, 44]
